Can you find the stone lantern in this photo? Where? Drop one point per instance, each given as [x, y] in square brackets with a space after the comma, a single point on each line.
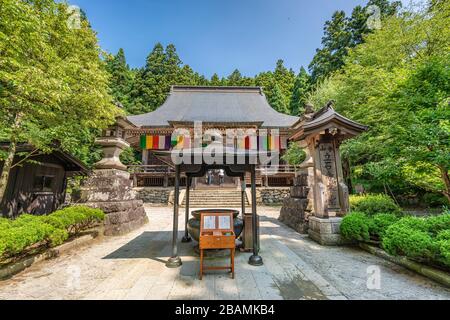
[113, 143]
[109, 187]
[322, 134]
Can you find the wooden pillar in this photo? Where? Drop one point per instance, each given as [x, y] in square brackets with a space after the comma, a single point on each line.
[255, 259]
[175, 260]
[187, 238]
[145, 157]
[243, 196]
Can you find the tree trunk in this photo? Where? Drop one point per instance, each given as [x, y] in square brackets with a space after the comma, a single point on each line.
[347, 175]
[10, 158]
[6, 168]
[446, 179]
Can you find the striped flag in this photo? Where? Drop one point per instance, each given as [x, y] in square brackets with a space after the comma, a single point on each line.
[143, 143]
[149, 142]
[162, 143]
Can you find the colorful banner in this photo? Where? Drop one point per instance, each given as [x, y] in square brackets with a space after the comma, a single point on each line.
[262, 143]
[155, 142]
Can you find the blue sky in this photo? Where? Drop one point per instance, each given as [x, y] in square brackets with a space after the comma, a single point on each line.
[215, 35]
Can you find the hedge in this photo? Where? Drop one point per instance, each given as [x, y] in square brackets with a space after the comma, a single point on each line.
[423, 239]
[356, 227]
[374, 204]
[28, 233]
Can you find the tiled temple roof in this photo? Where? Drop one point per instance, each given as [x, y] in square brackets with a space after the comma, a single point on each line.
[236, 105]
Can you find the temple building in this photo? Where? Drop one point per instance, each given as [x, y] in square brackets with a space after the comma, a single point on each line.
[218, 109]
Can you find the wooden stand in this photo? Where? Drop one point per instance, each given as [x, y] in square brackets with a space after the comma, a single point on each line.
[216, 232]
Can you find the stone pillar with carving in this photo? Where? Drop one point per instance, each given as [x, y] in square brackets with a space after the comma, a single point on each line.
[323, 132]
[110, 188]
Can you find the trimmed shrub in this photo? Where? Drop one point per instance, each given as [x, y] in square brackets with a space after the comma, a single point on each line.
[26, 232]
[444, 252]
[374, 204]
[443, 235]
[409, 237]
[30, 232]
[380, 223]
[75, 219]
[355, 226]
[402, 240]
[437, 224]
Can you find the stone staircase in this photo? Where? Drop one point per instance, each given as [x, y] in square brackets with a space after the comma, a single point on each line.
[215, 198]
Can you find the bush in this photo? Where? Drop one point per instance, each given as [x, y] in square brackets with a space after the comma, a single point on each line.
[74, 219]
[443, 235]
[402, 239]
[373, 204]
[380, 223]
[355, 226]
[28, 231]
[434, 200]
[444, 252]
[436, 224]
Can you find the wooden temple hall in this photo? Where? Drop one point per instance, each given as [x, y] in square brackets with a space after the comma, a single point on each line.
[219, 109]
[173, 155]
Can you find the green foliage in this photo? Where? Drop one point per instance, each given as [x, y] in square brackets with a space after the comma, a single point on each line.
[403, 239]
[121, 79]
[30, 232]
[130, 156]
[438, 224]
[379, 223]
[294, 155]
[302, 87]
[397, 82]
[277, 100]
[74, 219]
[152, 83]
[443, 235]
[444, 252]
[53, 83]
[409, 237]
[355, 226]
[433, 200]
[426, 239]
[342, 33]
[373, 204]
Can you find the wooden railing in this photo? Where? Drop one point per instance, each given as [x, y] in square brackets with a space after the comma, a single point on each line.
[157, 169]
[154, 175]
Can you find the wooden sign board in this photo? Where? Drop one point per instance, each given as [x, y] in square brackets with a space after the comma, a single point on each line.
[217, 232]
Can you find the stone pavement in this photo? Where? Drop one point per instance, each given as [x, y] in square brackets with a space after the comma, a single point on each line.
[132, 267]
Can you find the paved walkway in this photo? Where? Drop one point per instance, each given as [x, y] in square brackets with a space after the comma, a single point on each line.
[132, 267]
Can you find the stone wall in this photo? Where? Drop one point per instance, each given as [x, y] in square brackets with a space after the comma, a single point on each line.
[272, 196]
[155, 195]
[295, 211]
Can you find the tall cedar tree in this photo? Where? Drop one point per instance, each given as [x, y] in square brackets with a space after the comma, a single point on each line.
[342, 33]
[121, 78]
[277, 100]
[301, 89]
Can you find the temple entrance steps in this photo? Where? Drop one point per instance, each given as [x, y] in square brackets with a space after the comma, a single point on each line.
[215, 198]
